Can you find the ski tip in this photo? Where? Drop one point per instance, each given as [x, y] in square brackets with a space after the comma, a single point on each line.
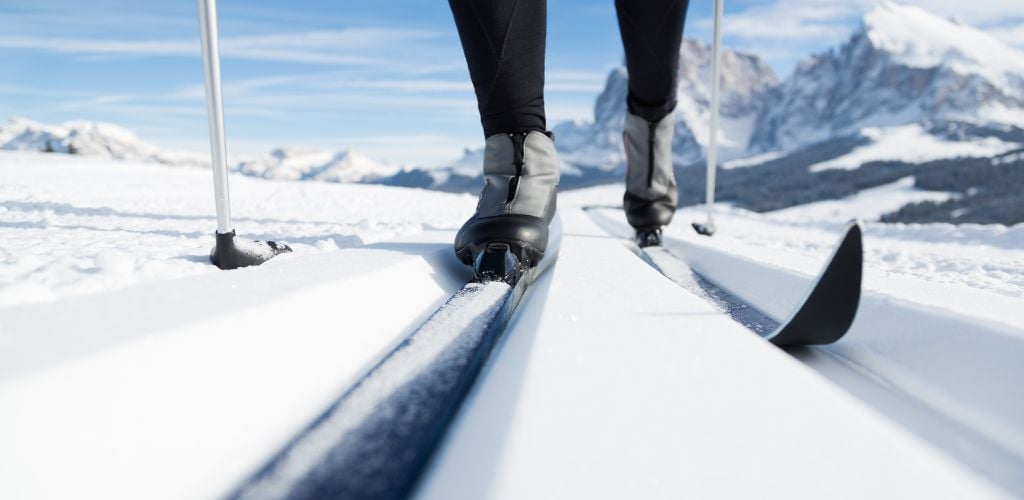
[831, 306]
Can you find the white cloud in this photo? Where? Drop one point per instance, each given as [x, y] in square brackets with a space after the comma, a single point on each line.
[354, 46]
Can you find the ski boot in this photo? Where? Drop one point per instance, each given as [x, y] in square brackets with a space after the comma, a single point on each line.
[651, 195]
[508, 234]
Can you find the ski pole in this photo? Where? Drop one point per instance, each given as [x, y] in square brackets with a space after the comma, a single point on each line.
[229, 252]
[708, 228]
[215, 112]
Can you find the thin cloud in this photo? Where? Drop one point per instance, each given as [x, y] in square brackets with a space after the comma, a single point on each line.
[354, 46]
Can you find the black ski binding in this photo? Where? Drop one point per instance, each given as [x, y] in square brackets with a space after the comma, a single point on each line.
[497, 262]
[648, 237]
[231, 252]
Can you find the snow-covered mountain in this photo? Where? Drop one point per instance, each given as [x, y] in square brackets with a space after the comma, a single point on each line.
[105, 140]
[330, 166]
[86, 138]
[904, 66]
[746, 80]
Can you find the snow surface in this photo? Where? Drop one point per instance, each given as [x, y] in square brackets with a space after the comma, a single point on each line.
[75, 225]
[752, 161]
[973, 269]
[130, 368]
[912, 144]
[659, 396]
[869, 204]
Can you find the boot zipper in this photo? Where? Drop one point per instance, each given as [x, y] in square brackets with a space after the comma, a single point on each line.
[519, 160]
[650, 154]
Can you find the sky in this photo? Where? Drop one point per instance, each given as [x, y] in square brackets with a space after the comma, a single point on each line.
[386, 77]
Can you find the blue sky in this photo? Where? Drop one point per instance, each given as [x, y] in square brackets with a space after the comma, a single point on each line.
[385, 76]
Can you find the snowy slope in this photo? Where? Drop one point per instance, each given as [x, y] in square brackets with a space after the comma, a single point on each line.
[66, 232]
[903, 355]
[912, 144]
[658, 396]
[137, 364]
[867, 205]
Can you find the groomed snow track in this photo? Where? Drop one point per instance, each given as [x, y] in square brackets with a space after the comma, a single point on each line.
[611, 382]
[947, 378]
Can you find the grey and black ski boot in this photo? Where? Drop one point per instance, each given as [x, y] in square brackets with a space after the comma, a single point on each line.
[651, 194]
[508, 234]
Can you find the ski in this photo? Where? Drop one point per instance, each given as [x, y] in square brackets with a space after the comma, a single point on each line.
[822, 317]
[377, 438]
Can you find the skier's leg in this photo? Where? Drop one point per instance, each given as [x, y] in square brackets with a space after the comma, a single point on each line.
[503, 41]
[652, 32]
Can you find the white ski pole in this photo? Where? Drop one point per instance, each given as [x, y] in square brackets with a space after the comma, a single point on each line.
[708, 228]
[215, 112]
[229, 252]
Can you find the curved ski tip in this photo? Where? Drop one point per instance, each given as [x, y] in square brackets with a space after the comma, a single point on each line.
[854, 230]
[831, 305]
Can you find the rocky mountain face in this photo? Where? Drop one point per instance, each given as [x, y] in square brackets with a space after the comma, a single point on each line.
[746, 81]
[903, 66]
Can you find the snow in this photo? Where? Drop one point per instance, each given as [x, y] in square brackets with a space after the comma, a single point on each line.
[103, 140]
[912, 144]
[66, 232]
[870, 204]
[659, 396]
[297, 164]
[442, 337]
[181, 389]
[942, 368]
[130, 367]
[977, 270]
[919, 39]
[752, 161]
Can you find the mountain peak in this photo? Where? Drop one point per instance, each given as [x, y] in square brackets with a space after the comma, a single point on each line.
[920, 39]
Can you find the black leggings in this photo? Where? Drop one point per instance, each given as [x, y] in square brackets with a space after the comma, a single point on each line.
[504, 45]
